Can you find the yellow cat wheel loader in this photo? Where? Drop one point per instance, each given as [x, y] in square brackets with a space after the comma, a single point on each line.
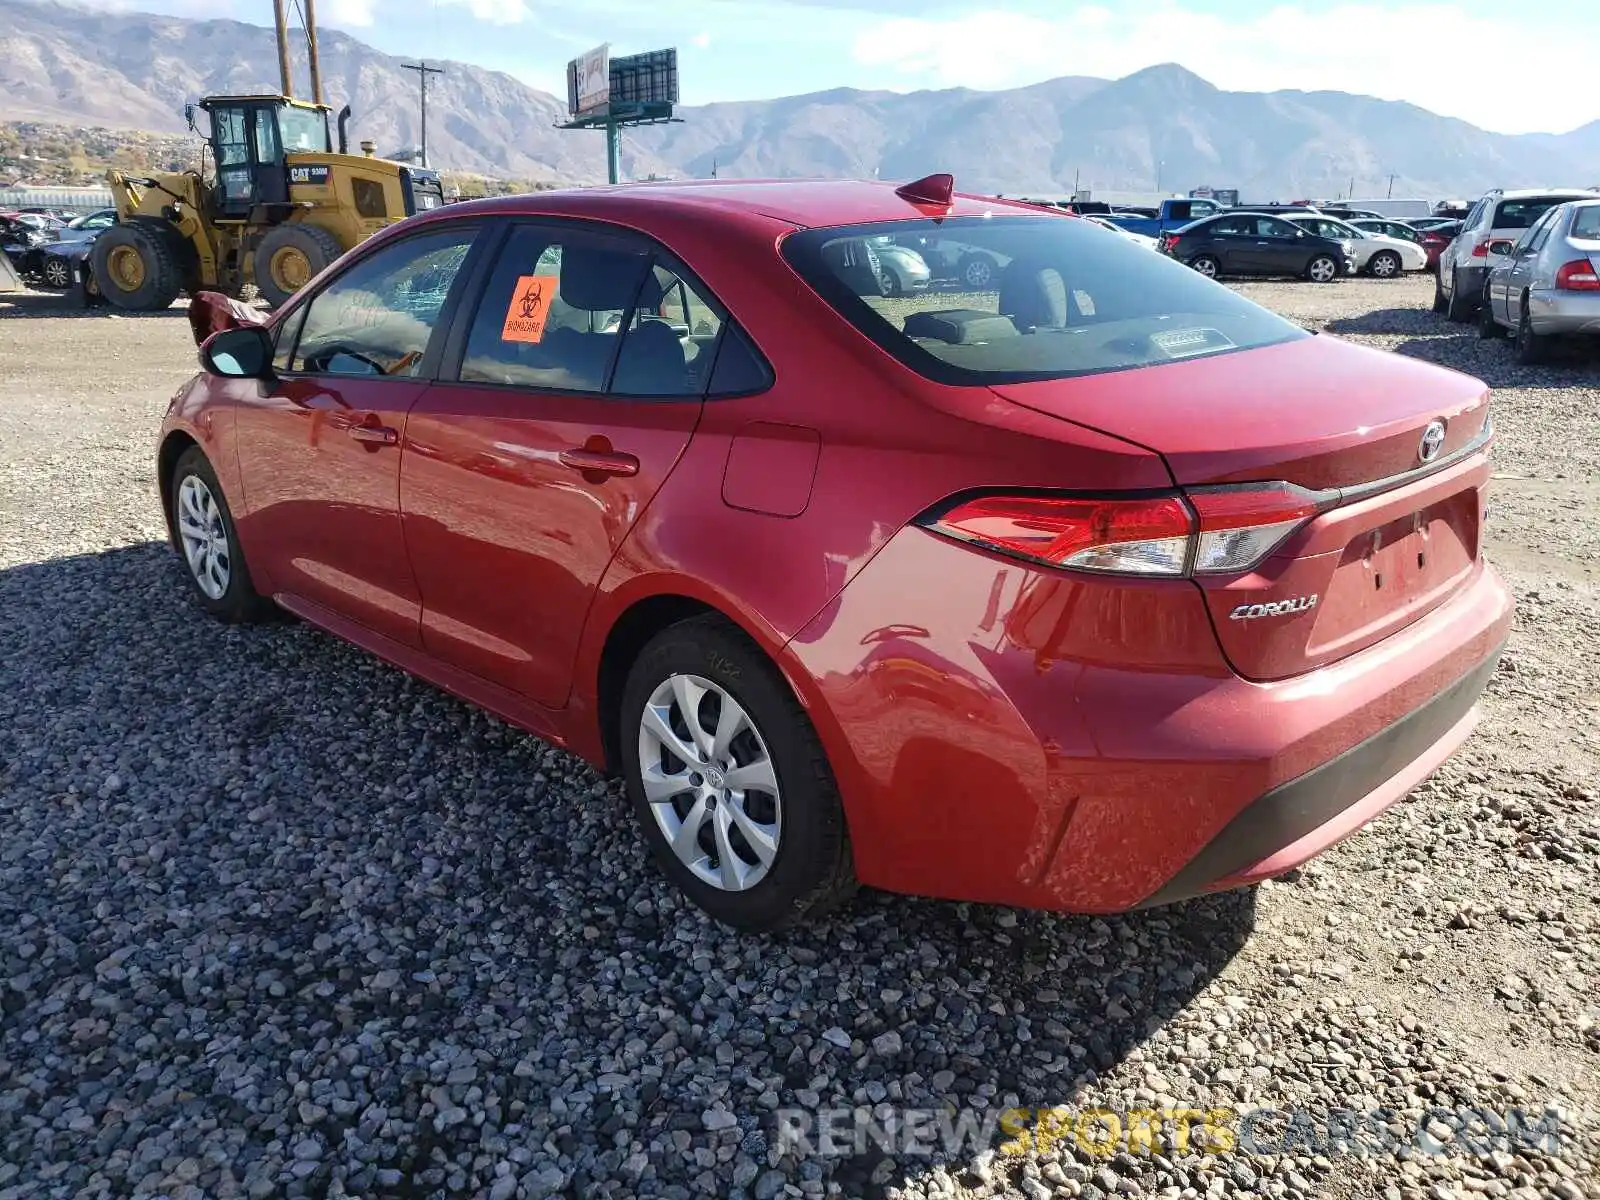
[279, 204]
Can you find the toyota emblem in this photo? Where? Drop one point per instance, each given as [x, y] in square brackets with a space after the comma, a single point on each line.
[1432, 442]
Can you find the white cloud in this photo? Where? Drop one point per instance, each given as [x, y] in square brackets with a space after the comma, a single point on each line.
[1397, 53]
[496, 12]
[701, 40]
[349, 14]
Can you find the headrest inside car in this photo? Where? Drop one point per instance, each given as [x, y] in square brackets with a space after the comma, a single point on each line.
[959, 326]
[1034, 296]
[599, 280]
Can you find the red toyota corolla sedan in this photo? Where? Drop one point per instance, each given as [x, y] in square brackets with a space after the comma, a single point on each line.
[1094, 588]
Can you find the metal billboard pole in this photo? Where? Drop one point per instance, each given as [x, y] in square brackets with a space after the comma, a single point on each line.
[616, 94]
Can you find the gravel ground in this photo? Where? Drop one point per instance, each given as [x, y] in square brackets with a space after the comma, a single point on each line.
[277, 920]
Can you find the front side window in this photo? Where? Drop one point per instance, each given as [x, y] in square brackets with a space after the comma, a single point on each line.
[1063, 300]
[377, 317]
[303, 130]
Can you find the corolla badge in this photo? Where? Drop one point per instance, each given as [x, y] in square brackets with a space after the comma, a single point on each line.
[1432, 442]
[1274, 608]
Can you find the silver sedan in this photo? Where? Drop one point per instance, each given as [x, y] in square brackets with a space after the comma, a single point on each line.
[1547, 283]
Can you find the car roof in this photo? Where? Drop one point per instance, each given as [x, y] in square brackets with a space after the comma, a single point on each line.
[803, 203]
[1532, 193]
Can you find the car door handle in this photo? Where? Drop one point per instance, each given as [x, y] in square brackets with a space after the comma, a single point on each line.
[375, 435]
[600, 462]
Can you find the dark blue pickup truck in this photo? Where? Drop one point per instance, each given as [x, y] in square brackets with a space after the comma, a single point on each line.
[1174, 214]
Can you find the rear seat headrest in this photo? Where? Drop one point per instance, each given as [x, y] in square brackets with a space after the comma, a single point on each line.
[600, 280]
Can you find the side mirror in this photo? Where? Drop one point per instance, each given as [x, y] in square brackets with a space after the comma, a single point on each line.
[244, 353]
[1500, 248]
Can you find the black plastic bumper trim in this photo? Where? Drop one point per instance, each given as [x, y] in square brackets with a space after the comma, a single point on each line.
[1291, 810]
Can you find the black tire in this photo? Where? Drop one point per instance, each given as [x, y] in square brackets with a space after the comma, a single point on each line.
[239, 602]
[1488, 327]
[1324, 265]
[1385, 264]
[976, 271]
[1207, 265]
[148, 277]
[1462, 307]
[313, 244]
[1532, 348]
[1441, 302]
[811, 872]
[56, 272]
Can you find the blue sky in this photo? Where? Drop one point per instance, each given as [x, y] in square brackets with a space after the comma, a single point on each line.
[1439, 55]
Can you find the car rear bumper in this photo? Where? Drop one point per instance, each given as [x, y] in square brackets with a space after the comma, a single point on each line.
[1469, 279]
[1021, 736]
[1555, 312]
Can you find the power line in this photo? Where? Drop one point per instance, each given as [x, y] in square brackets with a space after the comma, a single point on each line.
[423, 70]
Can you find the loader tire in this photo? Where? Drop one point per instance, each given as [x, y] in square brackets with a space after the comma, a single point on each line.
[136, 267]
[289, 257]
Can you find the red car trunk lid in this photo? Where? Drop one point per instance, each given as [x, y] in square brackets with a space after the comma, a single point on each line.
[1401, 531]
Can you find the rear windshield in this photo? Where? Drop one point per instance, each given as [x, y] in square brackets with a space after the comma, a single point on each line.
[1586, 223]
[1012, 299]
[1521, 214]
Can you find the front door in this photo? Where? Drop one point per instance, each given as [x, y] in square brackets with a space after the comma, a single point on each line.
[574, 397]
[321, 443]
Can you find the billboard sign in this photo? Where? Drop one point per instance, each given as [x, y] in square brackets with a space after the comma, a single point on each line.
[589, 81]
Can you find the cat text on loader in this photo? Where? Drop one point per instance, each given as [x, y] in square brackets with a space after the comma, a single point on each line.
[280, 205]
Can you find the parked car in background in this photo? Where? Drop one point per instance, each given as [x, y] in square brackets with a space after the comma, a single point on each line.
[1171, 216]
[901, 270]
[1246, 243]
[19, 239]
[1423, 224]
[59, 264]
[88, 225]
[1433, 241]
[1394, 207]
[1388, 227]
[1497, 215]
[1060, 597]
[951, 261]
[1547, 284]
[1139, 239]
[1375, 254]
[1344, 212]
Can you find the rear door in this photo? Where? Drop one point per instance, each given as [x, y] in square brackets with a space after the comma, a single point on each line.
[568, 393]
[1229, 239]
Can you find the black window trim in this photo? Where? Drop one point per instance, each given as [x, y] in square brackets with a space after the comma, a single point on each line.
[428, 368]
[499, 232]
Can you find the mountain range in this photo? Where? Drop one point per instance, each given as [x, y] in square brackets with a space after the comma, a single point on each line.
[1163, 127]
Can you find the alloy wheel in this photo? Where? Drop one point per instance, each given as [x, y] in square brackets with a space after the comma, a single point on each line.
[1323, 270]
[1206, 265]
[56, 273]
[1385, 266]
[710, 782]
[205, 538]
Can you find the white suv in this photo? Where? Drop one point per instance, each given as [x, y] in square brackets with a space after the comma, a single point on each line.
[1464, 264]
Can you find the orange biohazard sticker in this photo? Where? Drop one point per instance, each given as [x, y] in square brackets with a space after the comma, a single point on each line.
[529, 308]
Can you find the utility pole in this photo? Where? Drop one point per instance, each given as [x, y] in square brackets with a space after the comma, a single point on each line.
[309, 14]
[282, 21]
[423, 70]
[1391, 184]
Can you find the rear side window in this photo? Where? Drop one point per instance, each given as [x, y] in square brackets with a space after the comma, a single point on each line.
[1521, 214]
[1054, 297]
[1586, 223]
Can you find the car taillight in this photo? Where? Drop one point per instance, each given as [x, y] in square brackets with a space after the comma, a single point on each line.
[1578, 276]
[1217, 530]
[1480, 250]
[1239, 526]
[1169, 241]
